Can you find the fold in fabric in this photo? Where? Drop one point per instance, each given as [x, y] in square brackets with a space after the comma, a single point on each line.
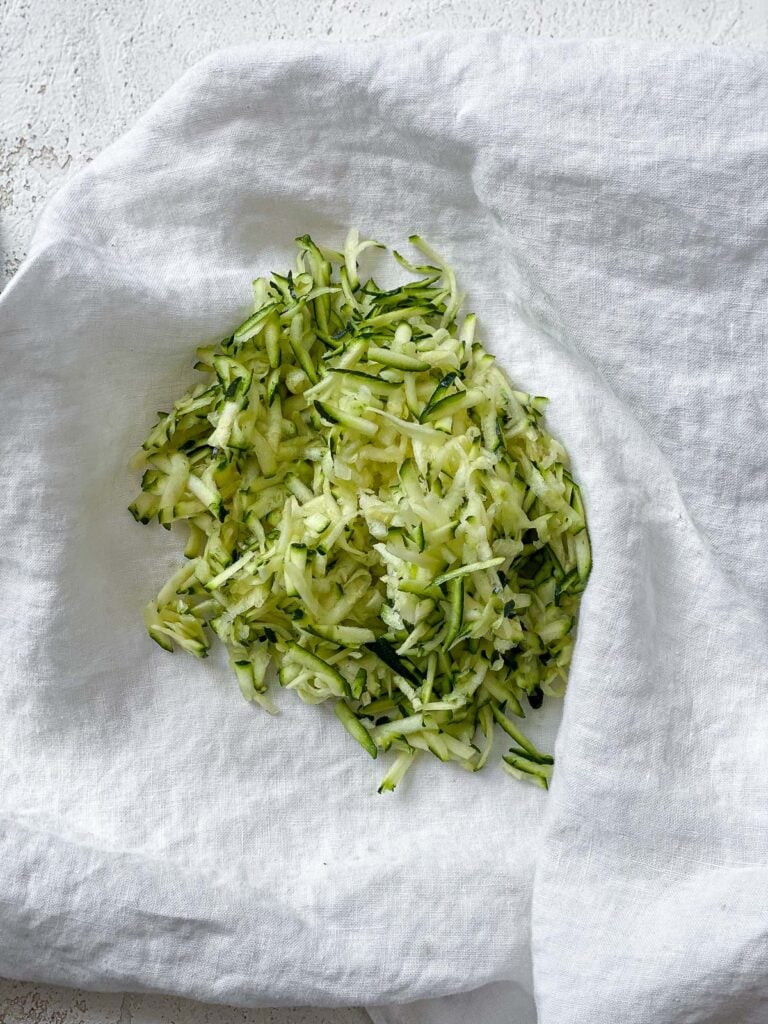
[606, 208]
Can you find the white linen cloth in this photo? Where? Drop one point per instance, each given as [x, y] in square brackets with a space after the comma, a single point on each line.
[606, 208]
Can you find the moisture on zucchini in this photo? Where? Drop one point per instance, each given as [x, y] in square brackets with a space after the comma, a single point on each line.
[373, 508]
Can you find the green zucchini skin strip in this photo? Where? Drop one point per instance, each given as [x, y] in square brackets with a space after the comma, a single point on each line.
[456, 614]
[387, 654]
[374, 510]
[355, 727]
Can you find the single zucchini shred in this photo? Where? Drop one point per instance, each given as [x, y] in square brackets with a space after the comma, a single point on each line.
[375, 509]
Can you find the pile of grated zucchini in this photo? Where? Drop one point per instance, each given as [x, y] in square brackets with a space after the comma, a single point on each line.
[372, 506]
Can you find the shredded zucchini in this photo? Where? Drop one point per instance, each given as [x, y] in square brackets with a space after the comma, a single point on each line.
[373, 507]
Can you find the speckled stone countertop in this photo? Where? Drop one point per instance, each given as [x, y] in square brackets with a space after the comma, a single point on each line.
[24, 1003]
[74, 76]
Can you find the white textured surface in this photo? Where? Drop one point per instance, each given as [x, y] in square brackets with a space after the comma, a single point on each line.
[74, 76]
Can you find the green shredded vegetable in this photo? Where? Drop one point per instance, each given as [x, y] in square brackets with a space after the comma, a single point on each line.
[374, 509]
